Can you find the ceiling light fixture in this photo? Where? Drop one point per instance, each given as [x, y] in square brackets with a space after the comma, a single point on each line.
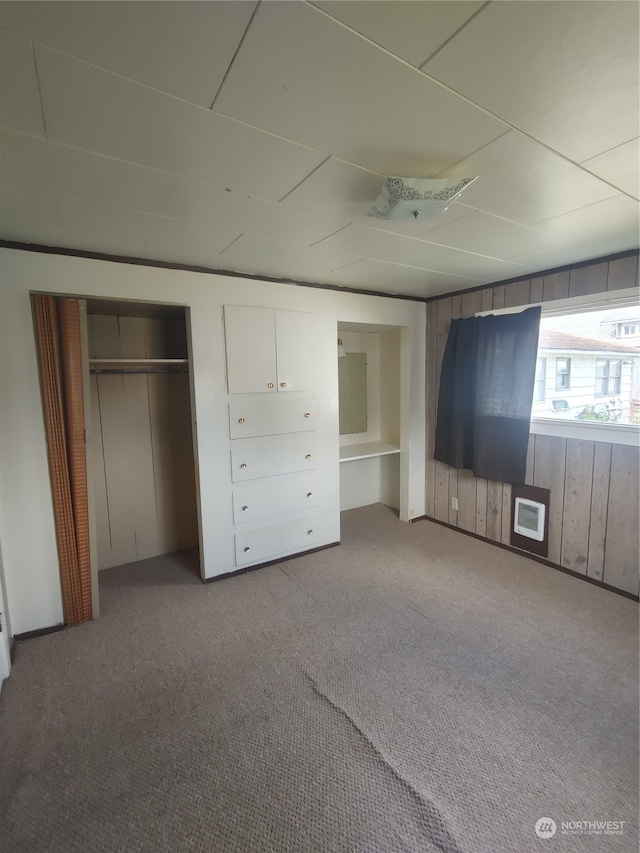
[416, 198]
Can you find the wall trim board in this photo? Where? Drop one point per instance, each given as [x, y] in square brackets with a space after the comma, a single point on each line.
[244, 570]
[628, 253]
[168, 265]
[148, 262]
[536, 559]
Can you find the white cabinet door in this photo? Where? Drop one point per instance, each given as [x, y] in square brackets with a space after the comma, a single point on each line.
[269, 351]
[251, 349]
[296, 350]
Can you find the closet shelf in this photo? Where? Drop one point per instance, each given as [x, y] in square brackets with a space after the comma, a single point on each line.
[366, 450]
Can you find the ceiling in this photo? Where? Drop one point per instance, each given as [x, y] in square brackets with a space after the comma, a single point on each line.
[254, 137]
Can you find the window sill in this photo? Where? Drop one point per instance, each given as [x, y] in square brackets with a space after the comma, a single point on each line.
[611, 433]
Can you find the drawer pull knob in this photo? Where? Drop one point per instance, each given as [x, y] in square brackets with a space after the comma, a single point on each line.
[244, 465]
[269, 384]
[240, 420]
[246, 549]
[309, 494]
[308, 456]
[245, 508]
[307, 414]
[283, 384]
[309, 532]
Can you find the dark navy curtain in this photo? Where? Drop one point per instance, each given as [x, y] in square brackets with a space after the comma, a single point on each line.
[486, 393]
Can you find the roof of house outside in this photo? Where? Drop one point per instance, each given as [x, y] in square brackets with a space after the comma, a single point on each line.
[555, 340]
[631, 312]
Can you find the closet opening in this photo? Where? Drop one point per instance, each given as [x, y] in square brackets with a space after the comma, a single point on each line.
[140, 450]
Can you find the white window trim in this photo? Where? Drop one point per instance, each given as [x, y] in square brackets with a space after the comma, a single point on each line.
[610, 433]
[587, 431]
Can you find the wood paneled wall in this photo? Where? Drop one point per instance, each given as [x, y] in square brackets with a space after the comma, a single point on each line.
[594, 486]
[141, 446]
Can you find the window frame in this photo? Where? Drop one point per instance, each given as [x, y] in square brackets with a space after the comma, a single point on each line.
[610, 433]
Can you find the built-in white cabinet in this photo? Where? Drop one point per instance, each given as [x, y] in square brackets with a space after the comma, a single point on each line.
[269, 351]
[273, 442]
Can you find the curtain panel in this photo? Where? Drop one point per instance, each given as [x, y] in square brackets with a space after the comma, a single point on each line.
[486, 394]
[57, 328]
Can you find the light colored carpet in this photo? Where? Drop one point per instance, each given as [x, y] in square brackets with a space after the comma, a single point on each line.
[411, 690]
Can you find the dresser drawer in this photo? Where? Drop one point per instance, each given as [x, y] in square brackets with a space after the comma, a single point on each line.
[266, 543]
[253, 458]
[273, 417]
[253, 503]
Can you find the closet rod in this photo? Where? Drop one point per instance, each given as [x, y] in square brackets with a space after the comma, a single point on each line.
[123, 370]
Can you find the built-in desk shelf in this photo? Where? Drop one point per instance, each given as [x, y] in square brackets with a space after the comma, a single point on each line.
[366, 450]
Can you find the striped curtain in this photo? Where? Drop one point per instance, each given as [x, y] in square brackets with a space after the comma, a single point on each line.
[57, 327]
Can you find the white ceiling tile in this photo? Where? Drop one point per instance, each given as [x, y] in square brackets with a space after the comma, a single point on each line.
[566, 73]
[548, 186]
[19, 97]
[277, 258]
[337, 184]
[489, 235]
[382, 246]
[186, 243]
[135, 231]
[89, 108]
[41, 164]
[368, 274]
[479, 266]
[178, 48]
[321, 93]
[620, 166]
[610, 226]
[410, 30]
[198, 202]
[22, 207]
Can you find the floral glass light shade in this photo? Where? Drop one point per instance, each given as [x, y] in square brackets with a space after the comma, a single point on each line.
[416, 198]
[341, 350]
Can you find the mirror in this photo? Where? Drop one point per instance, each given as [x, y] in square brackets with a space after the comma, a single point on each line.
[352, 393]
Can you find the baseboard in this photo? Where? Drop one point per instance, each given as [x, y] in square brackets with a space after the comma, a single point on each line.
[536, 559]
[39, 632]
[243, 571]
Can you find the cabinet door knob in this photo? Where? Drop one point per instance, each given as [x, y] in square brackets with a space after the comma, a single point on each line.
[246, 549]
[269, 384]
[307, 414]
[245, 508]
[244, 465]
[283, 384]
[309, 532]
[309, 494]
[240, 420]
[308, 456]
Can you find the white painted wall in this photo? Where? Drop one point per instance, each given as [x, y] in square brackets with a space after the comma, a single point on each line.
[26, 520]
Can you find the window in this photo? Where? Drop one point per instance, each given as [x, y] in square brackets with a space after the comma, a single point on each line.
[608, 375]
[628, 329]
[563, 374]
[540, 381]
